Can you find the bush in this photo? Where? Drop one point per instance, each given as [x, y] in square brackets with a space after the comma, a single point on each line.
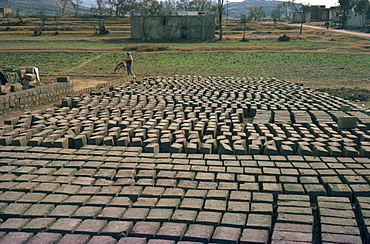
[37, 32]
[284, 38]
[244, 39]
[56, 33]
[146, 48]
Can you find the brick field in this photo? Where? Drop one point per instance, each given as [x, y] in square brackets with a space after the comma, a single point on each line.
[188, 160]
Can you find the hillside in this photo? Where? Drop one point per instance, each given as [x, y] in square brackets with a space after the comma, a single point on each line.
[237, 8]
[30, 7]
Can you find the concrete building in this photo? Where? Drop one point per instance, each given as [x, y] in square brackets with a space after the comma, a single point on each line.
[4, 12]
[200, 26]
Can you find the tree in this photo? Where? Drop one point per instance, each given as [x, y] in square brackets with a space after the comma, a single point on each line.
[220, 10]
[76, 4]
[244, 20]
[286, 9]
[62, 5]
[346, 6]
[276, 15]
[362, 8]
[255, 12]
[302, 11]
[43, 18]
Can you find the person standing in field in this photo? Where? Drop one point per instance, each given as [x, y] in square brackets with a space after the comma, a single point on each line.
[128, 61]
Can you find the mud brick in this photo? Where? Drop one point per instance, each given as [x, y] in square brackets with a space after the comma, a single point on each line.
[145, 182]
[65, 172]
[103, 182]
[145, 229]
[87, 212]
[98, 201]
[207, 185]
[16, 237]
[124, 182]
[191, 204]
[46, 187]
[237, 220]
[108, 174]
[132, 240]
[77, 200]
[135, 214]
[261, 208]
[334, 237]
[184, 216]
[174, 193]
[338, 221]
[111, 213]
[11, 196]
[254, 236]
[65, 211]
[159, 215]
[38, 224]
[262, 197]
[68, 189]
[347, 214]
[185, 175]
[249, 186]
[172, 231]
[13, 224]
[314, 190]
[123, 202]
[345, 230]
[203, 176]
[293, 189]
[238, 206]
[339, 190]
[133, 192]
[102, 239]
[218, 194]
[87, 172]
[240, 196]
[284, 236]
[181, 167]
[65, 225]
[24, 170]
[126, 173]
[152, 191]
[39, 210]
[226, 235]
[295, 218]
[199, 233]
[74, 238]
[91, 226]
[145, 202]
[89, 190]
[294, 210]
[117, 229]
[172, 203]
[54, 198]
[187, 184]
[304, 228]
[142, 174]
[44, 237]
[253, 171]
[25, 184]
[165, 174]
[360, 189]
[215, 205]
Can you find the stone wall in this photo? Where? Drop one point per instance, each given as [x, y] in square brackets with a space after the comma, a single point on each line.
[173, 27]
[45, 94]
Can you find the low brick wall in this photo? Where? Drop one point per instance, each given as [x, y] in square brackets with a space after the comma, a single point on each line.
[45, 94]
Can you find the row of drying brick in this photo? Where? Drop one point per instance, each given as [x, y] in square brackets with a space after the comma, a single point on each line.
[292, 220]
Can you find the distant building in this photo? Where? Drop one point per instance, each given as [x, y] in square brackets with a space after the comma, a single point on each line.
[319, 13]
[189, 25]
[4, 12]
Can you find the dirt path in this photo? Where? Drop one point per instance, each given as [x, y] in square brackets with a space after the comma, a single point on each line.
[348, 32]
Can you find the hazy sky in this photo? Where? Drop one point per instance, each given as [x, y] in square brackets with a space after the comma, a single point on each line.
[328, 3]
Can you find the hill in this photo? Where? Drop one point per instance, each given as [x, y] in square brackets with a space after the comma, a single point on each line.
[237, 8]
[30, 7]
